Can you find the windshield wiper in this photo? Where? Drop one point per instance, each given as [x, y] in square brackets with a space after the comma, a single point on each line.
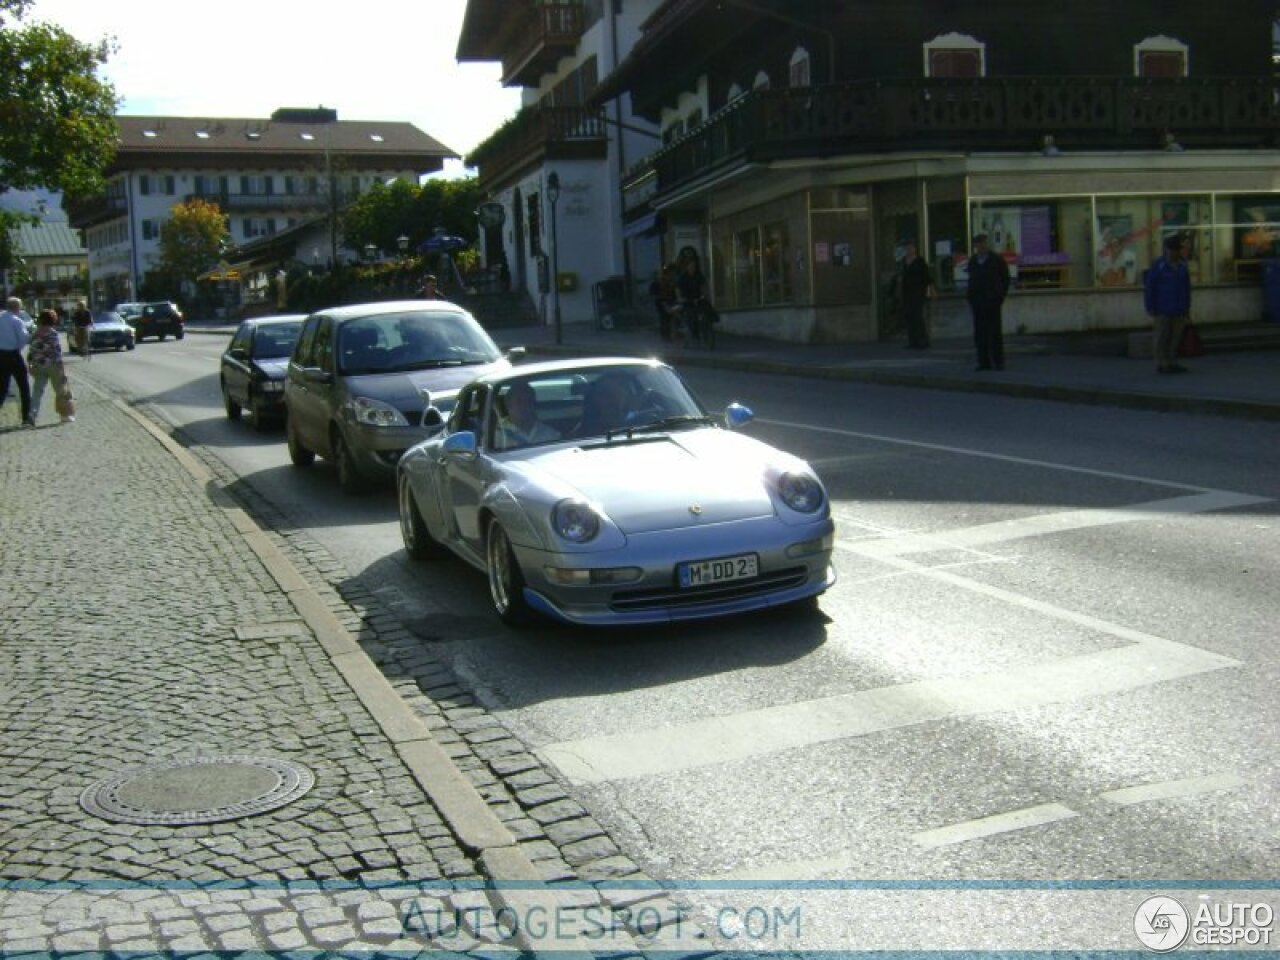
[673, 423]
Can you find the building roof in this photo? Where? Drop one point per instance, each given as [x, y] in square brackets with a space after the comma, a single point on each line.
[48, 239]
[288, 137]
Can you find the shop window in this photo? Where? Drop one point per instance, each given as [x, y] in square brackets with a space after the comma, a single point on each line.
[955, 55]
[1160, 57]
[799, 68]
[775, 263]
[746, 268]
[1248, 236]
[1048, 244]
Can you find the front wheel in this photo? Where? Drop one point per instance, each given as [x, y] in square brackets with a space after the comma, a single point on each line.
[232, 408]
[506, 581]
[418, 542]
[300, 455]
[349, 478]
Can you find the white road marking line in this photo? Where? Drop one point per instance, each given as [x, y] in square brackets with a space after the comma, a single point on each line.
[984, 534]
[1174, 789]
[839, 866]
[987, 455]
[753, 733]
[994, 825]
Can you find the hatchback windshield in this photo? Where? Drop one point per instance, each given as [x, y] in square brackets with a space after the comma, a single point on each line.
[412, 340]
[275, 341]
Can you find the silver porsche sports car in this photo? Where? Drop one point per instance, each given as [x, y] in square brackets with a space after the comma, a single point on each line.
[602, 492]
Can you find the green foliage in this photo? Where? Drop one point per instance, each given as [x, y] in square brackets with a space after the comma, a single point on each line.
[387, 212]
[191, 240]
[57, 117]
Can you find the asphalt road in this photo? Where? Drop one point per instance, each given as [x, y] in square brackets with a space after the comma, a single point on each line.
[1051, 652]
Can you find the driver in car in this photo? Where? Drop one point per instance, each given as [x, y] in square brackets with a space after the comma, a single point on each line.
[418, 343]
[520, 426]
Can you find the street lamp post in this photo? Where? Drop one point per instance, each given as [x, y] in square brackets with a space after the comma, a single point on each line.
[370, 251]
[402, 242]
[553, 194]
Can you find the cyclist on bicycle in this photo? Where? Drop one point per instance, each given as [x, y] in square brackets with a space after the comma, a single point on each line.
[691, 287]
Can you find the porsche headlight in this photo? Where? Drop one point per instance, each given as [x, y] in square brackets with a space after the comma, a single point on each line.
[574, 520]
[799, 491]
[375, 413]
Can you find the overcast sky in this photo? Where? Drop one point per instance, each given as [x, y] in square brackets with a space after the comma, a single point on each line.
[369, 60]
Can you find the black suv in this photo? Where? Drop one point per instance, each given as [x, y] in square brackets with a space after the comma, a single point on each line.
[160, 319]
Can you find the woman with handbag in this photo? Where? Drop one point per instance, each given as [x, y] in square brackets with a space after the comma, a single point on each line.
[45, 362]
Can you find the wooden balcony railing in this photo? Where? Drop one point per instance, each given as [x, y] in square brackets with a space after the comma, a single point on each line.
[1012, 114]
[87, 211]
[537, 131]
[554, 33]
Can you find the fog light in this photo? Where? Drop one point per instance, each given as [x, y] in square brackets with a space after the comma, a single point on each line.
[569, 577]
[807, 548]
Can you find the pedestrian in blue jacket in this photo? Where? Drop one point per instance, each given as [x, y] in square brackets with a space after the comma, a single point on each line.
[1168, 302]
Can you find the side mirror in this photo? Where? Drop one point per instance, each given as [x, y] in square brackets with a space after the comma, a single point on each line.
[432, 419]
[240, 353]
[316, 375]
[736, 415]
[515, 353]
[460, 446]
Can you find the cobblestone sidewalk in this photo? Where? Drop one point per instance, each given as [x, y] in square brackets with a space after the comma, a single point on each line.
[138, 627]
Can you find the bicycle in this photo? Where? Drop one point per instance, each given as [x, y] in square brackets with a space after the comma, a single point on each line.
[698, 320]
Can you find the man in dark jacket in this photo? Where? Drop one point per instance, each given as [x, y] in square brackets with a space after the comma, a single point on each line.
[916, 287]
[1167, 290]
[988, 286]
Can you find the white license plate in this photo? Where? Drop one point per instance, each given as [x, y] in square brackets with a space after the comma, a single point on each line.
[700, 573]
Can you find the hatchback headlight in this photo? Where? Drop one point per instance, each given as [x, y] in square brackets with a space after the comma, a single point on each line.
[375, 413]
[801, 492]
[574, 520]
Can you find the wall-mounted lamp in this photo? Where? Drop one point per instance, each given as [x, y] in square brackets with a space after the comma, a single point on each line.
[1049, 146]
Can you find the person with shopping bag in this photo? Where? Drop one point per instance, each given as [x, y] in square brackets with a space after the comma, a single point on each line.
[44, 359]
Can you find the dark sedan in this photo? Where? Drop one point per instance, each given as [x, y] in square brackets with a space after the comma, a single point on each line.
[254, 365]
[109, 332]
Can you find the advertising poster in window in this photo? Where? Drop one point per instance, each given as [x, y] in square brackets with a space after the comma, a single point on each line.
[1116, 263]
[1258, 229]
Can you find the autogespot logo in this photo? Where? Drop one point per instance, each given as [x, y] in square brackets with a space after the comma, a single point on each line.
[1161, 923]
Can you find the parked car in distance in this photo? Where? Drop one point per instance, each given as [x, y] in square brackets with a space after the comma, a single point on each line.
[160, 319]
[109, 332]
[362, 376]
[129, 310]
[602, 492]
[253, 368]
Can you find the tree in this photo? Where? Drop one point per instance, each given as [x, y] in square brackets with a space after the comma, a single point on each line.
[191, 241]
[390, 211]
[57, 117]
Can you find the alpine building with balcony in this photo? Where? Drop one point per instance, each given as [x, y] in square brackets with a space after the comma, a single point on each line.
[804, 142]
[553, 172]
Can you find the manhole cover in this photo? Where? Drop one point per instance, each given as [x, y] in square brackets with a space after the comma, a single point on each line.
[197, 790]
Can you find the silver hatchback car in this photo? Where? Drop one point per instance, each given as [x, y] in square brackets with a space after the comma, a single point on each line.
[361, 376]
